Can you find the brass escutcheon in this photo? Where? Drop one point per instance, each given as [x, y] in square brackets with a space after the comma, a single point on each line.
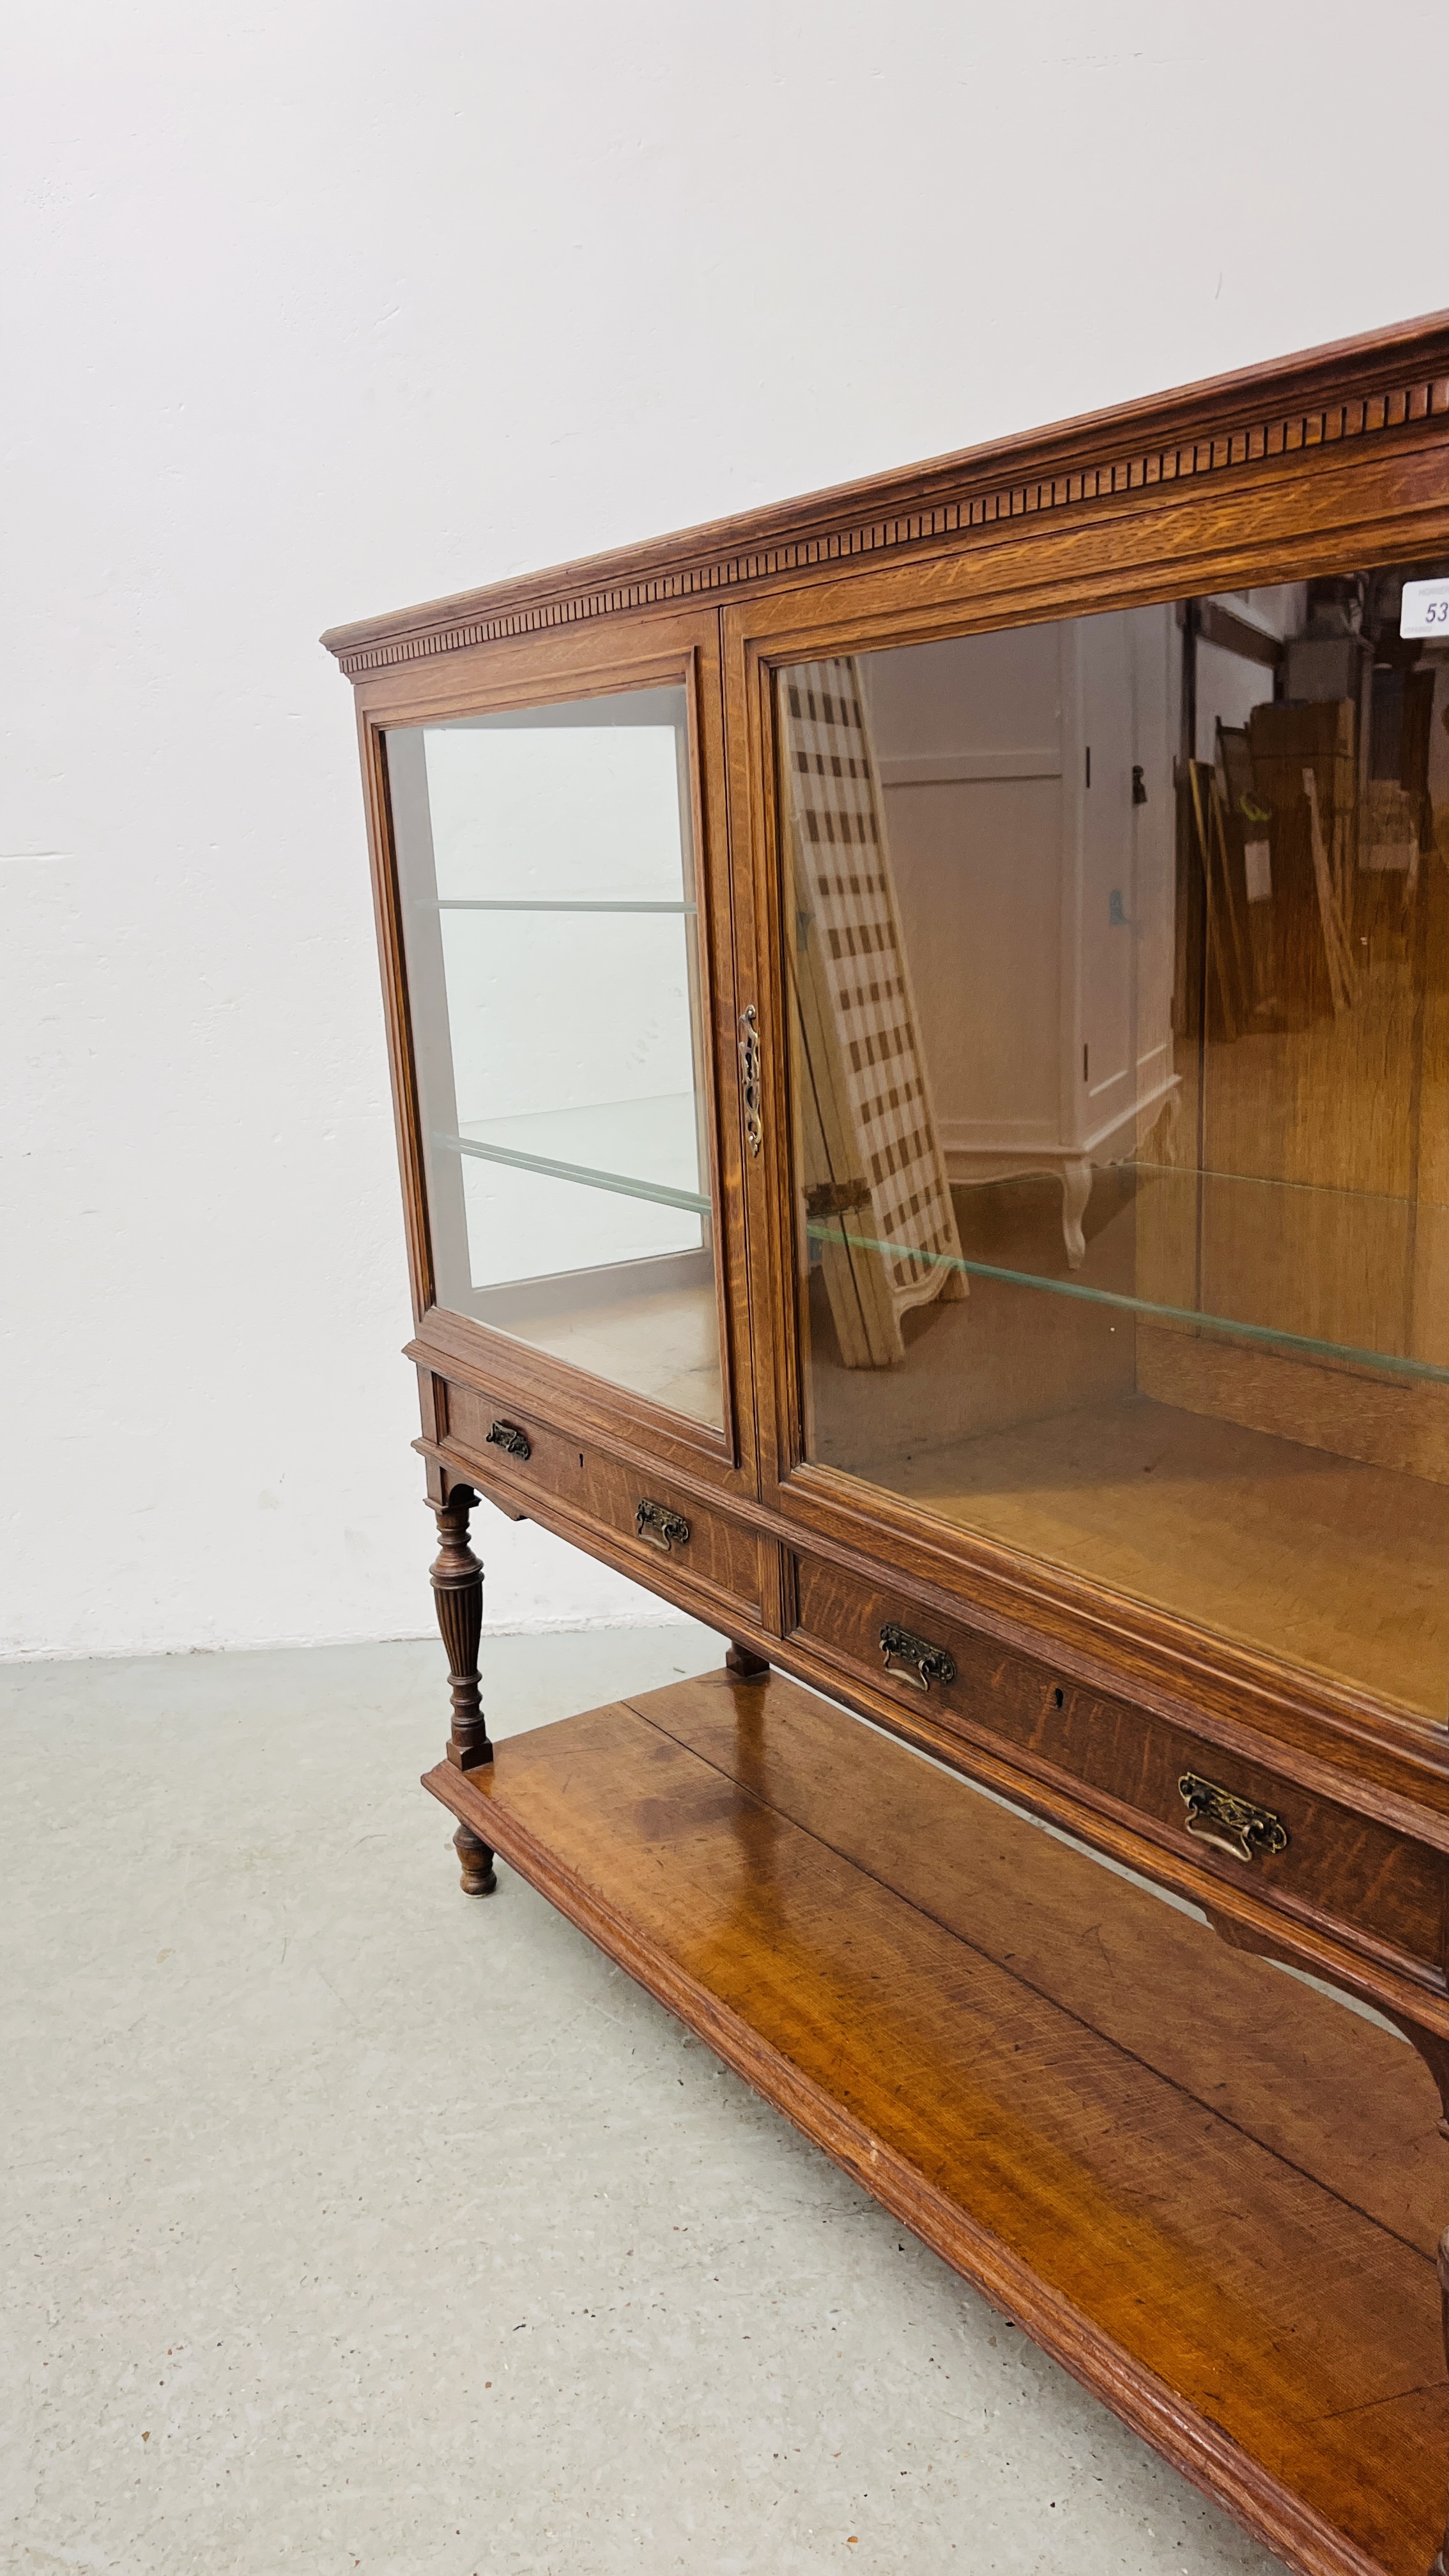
[915, 1659]
[750, 1092]
[662, 1527]
[1231, 1825]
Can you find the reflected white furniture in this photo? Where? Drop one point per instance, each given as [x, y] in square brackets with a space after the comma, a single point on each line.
[1037, 849]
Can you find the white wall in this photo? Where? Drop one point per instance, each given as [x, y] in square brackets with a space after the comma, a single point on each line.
[317, 308]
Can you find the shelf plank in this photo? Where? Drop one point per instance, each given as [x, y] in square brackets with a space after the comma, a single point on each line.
[1309, 2078]
[1061, 2084]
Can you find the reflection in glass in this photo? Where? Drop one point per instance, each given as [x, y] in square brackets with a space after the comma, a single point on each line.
[546, 871]
[1120, 987]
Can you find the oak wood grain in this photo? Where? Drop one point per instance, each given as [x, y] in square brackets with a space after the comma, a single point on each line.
[1212, 2193]
[1306, 2077]
[468, 1353]
[721, 1555]
[1317, 1944]
[1379, 386]
[1339, 1865]
[1269, 2334]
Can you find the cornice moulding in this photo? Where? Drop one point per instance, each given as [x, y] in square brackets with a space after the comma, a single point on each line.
[1352, 389]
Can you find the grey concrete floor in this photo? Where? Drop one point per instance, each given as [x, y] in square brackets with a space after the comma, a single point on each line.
[354, 2224]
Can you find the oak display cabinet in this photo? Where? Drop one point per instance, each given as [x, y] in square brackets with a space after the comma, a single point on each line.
[920, 1031]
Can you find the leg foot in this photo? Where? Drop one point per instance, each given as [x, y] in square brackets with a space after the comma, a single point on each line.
[477, 1863]
[1076, 1190]
[744, 1663]
[457, 1580]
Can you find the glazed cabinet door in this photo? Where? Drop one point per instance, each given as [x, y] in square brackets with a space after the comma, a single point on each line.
[1106, 944]
[557, 941]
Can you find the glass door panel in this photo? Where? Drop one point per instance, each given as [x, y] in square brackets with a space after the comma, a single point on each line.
[1120, 1030]
[546, 873]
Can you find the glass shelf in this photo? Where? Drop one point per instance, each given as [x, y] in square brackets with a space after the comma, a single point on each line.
[522, 903]
[660, 1132]
[1271, 1336]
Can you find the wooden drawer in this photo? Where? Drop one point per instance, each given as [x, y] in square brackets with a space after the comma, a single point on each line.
[1315, 1857]
[527, 1463]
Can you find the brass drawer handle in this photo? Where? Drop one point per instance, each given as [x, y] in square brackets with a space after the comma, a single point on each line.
[750, 1091]
[915, 1659]
[662, 1527]
[1231, 1825]
[506, 1435]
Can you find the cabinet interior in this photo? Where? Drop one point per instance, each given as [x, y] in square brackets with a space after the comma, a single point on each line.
[1120, 1040]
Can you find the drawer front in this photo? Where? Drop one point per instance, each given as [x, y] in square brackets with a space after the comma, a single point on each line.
[524, 1460]
[1307, 1851]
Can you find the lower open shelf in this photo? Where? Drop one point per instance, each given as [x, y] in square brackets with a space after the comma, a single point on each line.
[1210, 2192]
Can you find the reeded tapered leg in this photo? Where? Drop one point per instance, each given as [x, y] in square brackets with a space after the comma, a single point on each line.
[457, 1580]
[477, 1863]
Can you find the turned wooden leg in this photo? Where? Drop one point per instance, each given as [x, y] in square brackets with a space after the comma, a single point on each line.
[457, 1579]
[1441, 2563]
[477, 1863]
[745, 1664]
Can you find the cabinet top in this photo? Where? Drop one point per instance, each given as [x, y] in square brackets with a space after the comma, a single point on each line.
[1351, 389]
